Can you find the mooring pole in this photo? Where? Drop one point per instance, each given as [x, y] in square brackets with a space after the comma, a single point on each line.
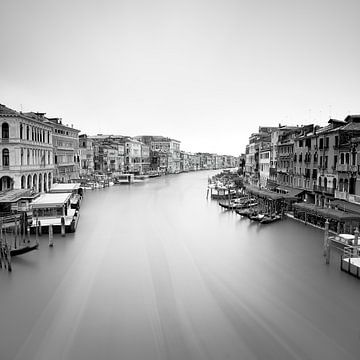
[28, 233]
[326, 243]
[51, 241]
[62, 226]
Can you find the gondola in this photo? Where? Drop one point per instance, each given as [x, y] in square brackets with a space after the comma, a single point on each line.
[270, 219]
[256, 217]
[23, 249]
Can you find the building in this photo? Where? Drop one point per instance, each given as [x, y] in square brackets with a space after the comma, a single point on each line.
[86, 153]
[66, 150]
[26, 151]
[264, 164]
[164, 153]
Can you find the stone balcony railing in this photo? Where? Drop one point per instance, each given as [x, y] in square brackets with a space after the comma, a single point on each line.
[346, 168]
[327, 190]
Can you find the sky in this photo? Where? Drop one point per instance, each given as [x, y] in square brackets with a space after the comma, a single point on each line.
[205, 72]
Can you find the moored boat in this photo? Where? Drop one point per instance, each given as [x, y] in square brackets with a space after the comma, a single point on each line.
[23, 249]
[267, 219]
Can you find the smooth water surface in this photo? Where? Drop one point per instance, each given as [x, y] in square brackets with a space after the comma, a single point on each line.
[157, 271]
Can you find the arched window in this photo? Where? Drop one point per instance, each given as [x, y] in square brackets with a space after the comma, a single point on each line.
[21, 131]
[5, 130]
[347, 157]
[325, 183]
[28, 157]
[334, 183]
[319, 181]
[29, 183]
[23, 182]
[5, 157]
[27, 132]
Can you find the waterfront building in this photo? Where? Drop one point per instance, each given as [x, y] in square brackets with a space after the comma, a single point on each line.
[347, 165]
[256, 142]
[326, 152]
[145, 158]
[285, 156]
[132, 159]
[184, 161]
[86, 153]
[26, 151]
[66, 149]
[264, 164]
[164, 153]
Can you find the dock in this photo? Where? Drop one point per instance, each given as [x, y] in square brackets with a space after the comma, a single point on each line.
[350, 260]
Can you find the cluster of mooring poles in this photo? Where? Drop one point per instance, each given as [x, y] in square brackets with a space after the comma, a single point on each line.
[15, 239]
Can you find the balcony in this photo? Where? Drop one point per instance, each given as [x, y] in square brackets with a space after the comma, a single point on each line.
[343, 167]
[323, 189]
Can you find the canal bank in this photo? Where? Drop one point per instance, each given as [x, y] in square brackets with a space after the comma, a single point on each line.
[156, 271]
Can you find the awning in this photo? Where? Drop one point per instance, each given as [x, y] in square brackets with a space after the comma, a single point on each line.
[264, 193]
[290, 191]
[346, 206]
[327, 212]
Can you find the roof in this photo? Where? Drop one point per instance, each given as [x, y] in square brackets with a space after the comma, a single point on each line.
[346, 206]
[264, 193]
[293, 192]
[351, 126]
[326, 212]
[15, 195]
[4, 110]
[67, 187]
[51, 200]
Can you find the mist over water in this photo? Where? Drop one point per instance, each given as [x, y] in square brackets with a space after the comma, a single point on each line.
[157, 271]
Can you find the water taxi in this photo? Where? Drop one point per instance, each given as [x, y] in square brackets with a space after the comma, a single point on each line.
[53, 209]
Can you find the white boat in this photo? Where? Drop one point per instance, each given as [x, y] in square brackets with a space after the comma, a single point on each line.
[343, 239]
[51, 208]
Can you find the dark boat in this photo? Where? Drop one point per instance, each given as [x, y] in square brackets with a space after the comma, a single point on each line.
[256, 217]
[270, 219]
[23, 249]
[244, 212]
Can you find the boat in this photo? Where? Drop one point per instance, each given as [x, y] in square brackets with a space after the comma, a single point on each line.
[342, 239]
[256, 217]
[244, 212]
[52, 209]
[267, 219]
[23, 249]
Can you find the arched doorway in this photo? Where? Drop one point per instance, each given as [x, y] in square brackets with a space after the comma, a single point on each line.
[34, 182]
[29, 182]
[45, 182]
[49, 181]
[40, 183]
[23, 182]
[6, 183]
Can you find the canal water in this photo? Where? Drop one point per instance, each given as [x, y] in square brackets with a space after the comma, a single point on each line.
[157, 271]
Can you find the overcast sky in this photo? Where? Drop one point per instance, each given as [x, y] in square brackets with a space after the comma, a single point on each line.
[205, 72]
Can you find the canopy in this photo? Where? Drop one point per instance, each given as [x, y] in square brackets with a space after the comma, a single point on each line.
[326, 212]
[264, 193]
